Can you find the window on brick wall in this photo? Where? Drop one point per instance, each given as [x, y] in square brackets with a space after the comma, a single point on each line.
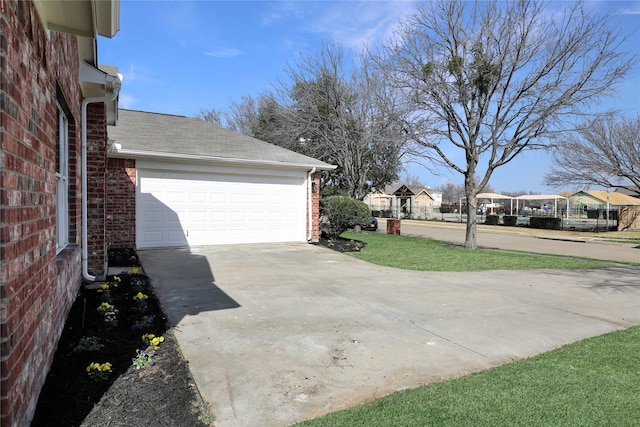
[62, 181]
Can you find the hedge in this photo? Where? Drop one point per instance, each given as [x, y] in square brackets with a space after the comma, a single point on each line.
[510, 219]
[544, 222]
[492, 219]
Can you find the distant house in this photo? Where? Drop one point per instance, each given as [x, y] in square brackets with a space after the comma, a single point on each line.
[55, 104]
[626, 208]
[179, 181]
[629, 191]
[398, 200]
[598, 199]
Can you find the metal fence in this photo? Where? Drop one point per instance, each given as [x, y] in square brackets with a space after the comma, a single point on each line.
[578, 219]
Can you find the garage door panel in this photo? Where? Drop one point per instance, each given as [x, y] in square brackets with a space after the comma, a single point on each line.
[255, 216]
[153, 217]
[198, 197]
[175, 196]
[185, 208]
[217, 216]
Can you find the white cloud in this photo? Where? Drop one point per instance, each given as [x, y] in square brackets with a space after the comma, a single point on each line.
[138, 75]
[224, 52]
[130, 75]
[350, 23]
[635, 11]
[282, 11]
[126, 101]
[355, 24]
[181, 16]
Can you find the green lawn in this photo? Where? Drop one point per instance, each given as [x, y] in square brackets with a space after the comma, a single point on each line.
[418, 253]
[631, 240]
[595, 382]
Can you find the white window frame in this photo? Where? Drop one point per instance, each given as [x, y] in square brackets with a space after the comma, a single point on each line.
[62, 182]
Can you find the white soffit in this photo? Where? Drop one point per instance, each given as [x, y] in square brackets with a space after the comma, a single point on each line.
[81, 18]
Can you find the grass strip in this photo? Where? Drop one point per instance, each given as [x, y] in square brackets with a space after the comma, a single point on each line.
[594, 382]
[631, 241]
[418, 253]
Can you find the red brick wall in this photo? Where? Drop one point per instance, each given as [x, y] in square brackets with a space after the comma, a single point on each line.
[96, 186]
[37, 287]
[121, 203]
[315, 209]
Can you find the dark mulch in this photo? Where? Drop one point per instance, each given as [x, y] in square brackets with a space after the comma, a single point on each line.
[161, 394]
[341, 244]
[123, 257]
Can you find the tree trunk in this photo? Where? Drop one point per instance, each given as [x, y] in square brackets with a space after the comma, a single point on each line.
[472, 214]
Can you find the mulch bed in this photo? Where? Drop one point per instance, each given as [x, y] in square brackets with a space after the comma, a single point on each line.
[160, 394]
[341, 244]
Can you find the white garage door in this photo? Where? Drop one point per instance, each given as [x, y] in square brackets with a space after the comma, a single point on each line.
[186, 208]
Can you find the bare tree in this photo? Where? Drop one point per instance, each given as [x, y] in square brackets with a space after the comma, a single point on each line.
[241, 116]
[605, 152]
[342, 112]
[412, 181]
[451, 193]
[213, 116]
[488, 80]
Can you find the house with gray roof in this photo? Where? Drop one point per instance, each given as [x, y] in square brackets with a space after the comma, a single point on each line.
[401, 201]
[176, 181]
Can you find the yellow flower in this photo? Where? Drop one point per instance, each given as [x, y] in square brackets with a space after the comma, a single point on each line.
[105, 306]
[135, 270]
[156, 341]
[140, 296]
[117, 278]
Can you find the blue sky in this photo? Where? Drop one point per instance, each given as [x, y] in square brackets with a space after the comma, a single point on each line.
[179, 57]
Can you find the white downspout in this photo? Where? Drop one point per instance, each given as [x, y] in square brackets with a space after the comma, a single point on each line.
[83, 159]
[310, 204]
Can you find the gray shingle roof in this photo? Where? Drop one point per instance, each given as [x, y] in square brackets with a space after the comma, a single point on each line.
[139, 132]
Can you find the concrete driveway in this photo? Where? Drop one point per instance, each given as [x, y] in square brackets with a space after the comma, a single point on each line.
[280, 333]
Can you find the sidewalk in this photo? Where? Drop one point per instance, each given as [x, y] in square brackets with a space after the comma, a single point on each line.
[509, 238]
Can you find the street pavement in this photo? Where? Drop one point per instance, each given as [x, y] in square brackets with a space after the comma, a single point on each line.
[279, 333]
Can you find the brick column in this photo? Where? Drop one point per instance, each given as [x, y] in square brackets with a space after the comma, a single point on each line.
[96, 186]
[315, 208]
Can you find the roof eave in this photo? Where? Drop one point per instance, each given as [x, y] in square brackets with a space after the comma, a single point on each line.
[81, 18]
[116, 152]
[108, 17]
[98, 83]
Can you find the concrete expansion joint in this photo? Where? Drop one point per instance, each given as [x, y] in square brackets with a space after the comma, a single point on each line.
[593, 317]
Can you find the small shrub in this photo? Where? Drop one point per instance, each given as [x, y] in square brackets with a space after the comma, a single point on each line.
[88, 344]
[510, 219]
[339, 213]
[492, 219]
[144, 359]
[447, 209]
[546, 223]
[329, 191]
